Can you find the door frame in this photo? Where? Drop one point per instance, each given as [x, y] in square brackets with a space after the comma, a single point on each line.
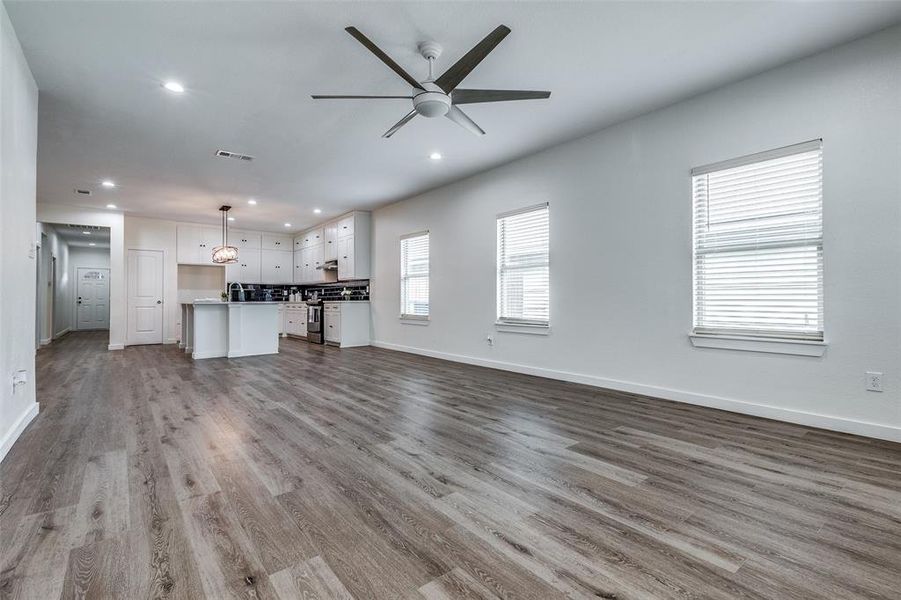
[75, 326]
[128, 275]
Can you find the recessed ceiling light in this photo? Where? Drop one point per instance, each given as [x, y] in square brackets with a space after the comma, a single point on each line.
[86, 233]
[174, 86]
[108, 184]
[317, 210]
[287, 224]
[231, 218]
[92, 244]
[251, 201]
[111, 206]
[435, 156]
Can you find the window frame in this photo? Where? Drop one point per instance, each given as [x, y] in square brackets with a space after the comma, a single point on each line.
[774, 340]
[513, 325]
[405, 278]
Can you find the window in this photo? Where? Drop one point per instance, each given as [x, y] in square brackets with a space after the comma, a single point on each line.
[414, 276]
[758, 245]
[523, 296]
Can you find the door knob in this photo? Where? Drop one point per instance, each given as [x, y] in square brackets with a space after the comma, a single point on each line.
[159, 301]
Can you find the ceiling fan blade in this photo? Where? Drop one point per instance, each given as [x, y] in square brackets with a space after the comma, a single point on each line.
[460, 118]
[407, 118]
[461, 96]
[322, 97]
[382, 56]
[453, 76]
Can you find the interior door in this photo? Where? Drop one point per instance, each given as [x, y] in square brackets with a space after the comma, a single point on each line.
[145, 297]
[92, 302]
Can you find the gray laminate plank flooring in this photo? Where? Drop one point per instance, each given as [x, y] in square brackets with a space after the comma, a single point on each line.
[364, 473]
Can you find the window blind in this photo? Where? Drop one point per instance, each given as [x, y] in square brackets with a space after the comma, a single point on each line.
[414, 276]
[523, 295]
[758, 245]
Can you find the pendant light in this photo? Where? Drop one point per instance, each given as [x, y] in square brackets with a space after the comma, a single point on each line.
[225, 254]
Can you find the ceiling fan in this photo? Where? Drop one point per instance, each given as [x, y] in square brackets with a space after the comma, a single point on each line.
[441, 97]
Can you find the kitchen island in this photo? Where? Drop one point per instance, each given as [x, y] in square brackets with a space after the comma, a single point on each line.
[211, 328]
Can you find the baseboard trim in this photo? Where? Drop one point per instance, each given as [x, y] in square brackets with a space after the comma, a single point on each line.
[16, 430]
[60, 334]
[170, 341]
[116, 347]
[208, 354]
[863, 428]
[46, 341]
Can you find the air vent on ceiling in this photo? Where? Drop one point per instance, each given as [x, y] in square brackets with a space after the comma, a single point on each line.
[85, 227]
[83, 192]
[235, 155]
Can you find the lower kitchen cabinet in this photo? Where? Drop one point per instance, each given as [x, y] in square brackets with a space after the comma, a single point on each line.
[296, 320]
[346, 324]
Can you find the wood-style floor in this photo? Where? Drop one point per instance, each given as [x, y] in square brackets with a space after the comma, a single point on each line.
[369, 474]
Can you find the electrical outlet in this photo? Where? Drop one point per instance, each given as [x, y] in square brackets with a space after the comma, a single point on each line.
[874, 381]
[20, 377]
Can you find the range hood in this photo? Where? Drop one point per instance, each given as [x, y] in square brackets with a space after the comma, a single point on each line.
[329, 265]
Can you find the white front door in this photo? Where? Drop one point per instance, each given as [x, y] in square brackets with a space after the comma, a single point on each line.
[145, 297]
[92, 301]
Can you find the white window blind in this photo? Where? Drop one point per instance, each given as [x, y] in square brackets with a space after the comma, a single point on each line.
[414, 276]
[523, 294]
[758, 245]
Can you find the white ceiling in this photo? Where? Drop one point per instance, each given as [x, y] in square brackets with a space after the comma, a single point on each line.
[74, 235]
[250, 67]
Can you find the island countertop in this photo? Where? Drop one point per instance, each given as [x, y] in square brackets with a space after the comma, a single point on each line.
[231, 330]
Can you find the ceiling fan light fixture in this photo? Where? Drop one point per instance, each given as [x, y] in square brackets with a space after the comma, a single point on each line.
[431, 103]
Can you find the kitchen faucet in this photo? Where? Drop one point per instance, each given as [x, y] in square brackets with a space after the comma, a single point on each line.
[240, 290]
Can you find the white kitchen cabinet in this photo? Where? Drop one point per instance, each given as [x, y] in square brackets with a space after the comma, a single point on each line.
[330, 251]
[346, 225]
[247, 269]
[276, 241]
[353, 247]
[194, 244]
[275, 266]
[310, 238]
[346, 265]
[346, 324]
[296, 320]
[301, 265]
[244, 240]
[332, 319]
[306, 266]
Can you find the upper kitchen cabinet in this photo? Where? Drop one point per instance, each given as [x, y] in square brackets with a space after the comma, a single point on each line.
[331, 241]
[244, 240]
[353, 233]
[276, 266]
[346, 225]
[194, 244]
[276, 241]
[247, 269]
[309, 239]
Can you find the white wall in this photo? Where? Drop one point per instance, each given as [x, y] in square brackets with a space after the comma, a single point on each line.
[114, 220]
[18, 168]
[621, 248]
[54, 246]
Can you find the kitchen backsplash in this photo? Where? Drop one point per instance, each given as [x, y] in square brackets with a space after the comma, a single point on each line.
[359, 290]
